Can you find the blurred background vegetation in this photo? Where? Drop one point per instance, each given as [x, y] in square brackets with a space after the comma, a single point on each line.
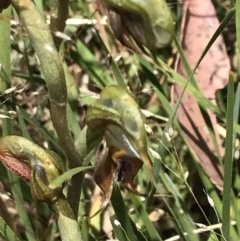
[190, 205]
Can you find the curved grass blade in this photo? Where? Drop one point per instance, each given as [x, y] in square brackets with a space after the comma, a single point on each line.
[84, 58]
[7, 232]
[67, 175]
[122, 217]
[227, 191]
[143, 215]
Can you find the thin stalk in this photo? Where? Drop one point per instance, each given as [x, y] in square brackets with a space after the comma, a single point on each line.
[5, 83]
[44, 46]
[227, 191]
[59, 15]
[5, 69]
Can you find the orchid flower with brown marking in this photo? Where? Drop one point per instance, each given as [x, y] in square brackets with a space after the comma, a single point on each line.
[117, 116]
[40, 167]
[147, 22]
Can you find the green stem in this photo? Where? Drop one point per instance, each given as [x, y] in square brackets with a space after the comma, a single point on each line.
[59, 15]
[68, 226]
[43, 44]
[5, 72]
[5, 83]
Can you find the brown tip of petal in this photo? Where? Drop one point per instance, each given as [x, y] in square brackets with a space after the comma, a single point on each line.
[19, 167]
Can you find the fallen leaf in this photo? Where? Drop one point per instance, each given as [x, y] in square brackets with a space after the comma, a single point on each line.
[198, 26]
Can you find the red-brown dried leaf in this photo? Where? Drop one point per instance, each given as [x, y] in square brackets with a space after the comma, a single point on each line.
[199, 24]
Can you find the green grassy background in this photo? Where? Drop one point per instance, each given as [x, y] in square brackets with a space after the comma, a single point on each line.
[188, 203]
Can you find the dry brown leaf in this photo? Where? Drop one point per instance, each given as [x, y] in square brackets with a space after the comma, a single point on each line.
[199, 24]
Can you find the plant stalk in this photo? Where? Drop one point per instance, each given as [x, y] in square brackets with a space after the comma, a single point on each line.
[44, 46]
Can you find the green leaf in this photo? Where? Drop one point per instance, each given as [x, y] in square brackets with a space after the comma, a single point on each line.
[227, 191]
[143, 215]
[7, 232]
[67, 175]
[127, 225]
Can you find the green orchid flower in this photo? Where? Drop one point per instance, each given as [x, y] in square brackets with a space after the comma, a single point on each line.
[34, 164]
[148, 22]
[117, 116]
